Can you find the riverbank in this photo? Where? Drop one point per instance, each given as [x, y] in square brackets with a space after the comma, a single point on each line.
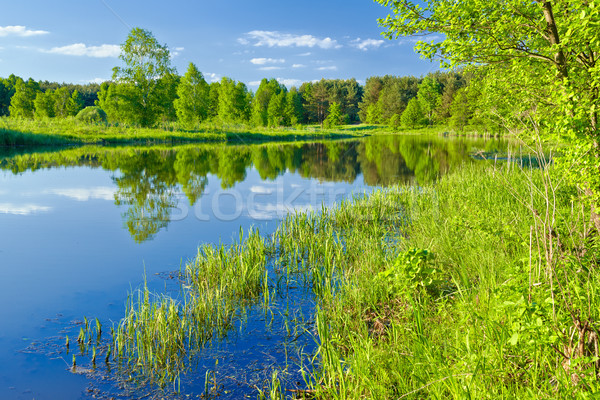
[455, 290]
[71, 132]
[53, 132]
[482, 285]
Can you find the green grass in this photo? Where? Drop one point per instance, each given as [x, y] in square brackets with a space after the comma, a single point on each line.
[56, 132]
[503, 304]
[70, 131]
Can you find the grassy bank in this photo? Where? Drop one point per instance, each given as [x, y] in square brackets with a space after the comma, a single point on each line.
[61, 132]
[480, 286]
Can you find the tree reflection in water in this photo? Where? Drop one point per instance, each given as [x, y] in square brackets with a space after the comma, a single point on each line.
[150, 180]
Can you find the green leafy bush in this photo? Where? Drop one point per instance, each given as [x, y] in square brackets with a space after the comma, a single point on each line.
[92, 115]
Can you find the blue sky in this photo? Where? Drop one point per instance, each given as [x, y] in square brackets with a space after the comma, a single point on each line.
[77, 41]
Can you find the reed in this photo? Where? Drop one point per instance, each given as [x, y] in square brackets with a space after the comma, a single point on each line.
[444, 291]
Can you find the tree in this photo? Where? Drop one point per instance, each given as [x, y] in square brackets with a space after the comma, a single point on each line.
[44, 105]
[335, 117]
[75, 104]
[62, 98]
[22, 102]
[192, 100]
[293, 107]
[7, 90]
[276, 109]
[412, 115]
[260, 103]
[545, 53]
[234, 105]
[429, 97]
[146, 77]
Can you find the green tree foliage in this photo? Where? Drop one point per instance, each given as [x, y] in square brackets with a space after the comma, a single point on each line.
[293, 107]
[62, 98]
[234, 101]
[146, 80]
[316, 100]
[386, 96]
[213, 99]
[429, 96]
[335, 116]
[276, 109]
[92, 115]
[260, 103]
[44, 105]
[192, 101]
[7, 90]
[22, 102]
[75, 103]
[412, 115]
[544, 54]
[394, 122]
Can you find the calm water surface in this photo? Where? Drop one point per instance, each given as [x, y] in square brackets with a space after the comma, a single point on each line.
[81, 227]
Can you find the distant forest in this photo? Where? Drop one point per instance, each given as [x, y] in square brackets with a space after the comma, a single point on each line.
[445, 98]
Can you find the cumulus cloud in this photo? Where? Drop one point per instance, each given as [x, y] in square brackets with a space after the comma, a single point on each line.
[19, 30]
[263, 61]
[298, 66]
[280, 39]
[211, 76]
[80, 49]
[261, 190]
[366, 44]
[289, 82]
[97, 80]
[22, 209]
[329, 68]
[271, 68]
[85, 194]
[176, 51]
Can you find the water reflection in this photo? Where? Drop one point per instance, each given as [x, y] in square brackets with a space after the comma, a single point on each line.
[150, 180]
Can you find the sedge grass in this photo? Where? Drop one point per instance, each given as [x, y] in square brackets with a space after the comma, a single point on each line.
[494, 327]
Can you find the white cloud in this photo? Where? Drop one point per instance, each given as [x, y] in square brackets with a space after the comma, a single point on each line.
[298, 66]
[261, 190]
[254, 83]
[269, 68]
[279, 39]
[83, 194]
[97, 80]
[19, 30]
[212, 77]
[263, 61]
[80, 49]
[22, 209]
[304, 54]
[176, 51]
[367, 43]
[290, 82]
[270, 210]
[329, 68]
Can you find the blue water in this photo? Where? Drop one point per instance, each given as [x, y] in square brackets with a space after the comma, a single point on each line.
[66, 252]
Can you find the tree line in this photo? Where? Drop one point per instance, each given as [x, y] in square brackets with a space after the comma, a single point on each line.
[147, 91]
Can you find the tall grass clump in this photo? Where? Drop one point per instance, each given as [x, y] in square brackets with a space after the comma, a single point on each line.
[481, 286]
[159, 335]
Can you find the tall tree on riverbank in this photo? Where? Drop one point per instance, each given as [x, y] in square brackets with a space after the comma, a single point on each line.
[146, 78]
[192, 100]
[22, 102]
[542, 53]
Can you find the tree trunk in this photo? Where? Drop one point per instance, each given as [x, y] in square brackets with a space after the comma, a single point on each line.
[554, 38]
[596, 207]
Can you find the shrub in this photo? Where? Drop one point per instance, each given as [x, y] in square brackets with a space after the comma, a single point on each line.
[92, 115]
